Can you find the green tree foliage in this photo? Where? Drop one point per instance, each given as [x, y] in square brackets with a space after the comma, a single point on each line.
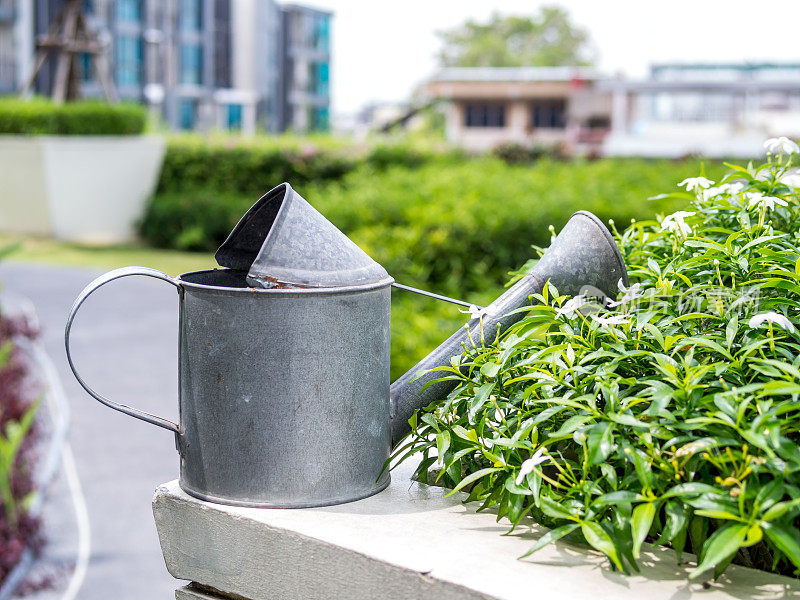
[549, 38]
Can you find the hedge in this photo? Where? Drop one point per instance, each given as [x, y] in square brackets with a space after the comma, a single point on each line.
[86, 117]
[252, 166]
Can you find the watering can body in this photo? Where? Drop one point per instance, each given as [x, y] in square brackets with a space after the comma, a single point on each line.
[284, 393]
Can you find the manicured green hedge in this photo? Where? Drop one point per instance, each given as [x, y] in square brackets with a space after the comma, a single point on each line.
[252, 166]
[248, 168]
[87, 117]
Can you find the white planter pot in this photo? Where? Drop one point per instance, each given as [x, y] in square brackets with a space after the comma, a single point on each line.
[90, 189]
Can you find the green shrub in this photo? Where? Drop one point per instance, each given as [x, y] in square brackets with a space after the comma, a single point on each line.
[247, 167]
[252, 167]
[515, 153]
[88, 117]
[383, 156]
[670, 416]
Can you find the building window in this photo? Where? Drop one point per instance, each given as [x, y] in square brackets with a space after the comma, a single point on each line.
[318, 78]
[321, 118]
[549, 114]
[191, 17]
[322, 37]
[191, 64]
[187, 113]
[485, 115]
[86, 62]
[129, 11]
[234, 117]
[222, 43]
[129, 60]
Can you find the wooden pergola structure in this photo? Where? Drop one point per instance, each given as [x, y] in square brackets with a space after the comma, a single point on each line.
[68, 37]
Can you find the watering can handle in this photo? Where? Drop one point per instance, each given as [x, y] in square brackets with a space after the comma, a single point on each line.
[87, 291]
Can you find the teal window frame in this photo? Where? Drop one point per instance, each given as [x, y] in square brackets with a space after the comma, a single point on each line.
[191, 15]
[129, 11]
[187, 113]
[191, 63]
[129, 60]
[234, 114]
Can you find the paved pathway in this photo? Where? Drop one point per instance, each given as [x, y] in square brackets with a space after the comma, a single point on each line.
[125, 345]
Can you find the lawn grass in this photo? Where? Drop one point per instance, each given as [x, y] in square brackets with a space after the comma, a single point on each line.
[41, 250]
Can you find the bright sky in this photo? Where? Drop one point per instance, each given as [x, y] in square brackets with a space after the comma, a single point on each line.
[382, 49]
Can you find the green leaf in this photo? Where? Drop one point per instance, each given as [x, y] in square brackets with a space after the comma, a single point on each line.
[731, 330]
[785, 540]
[641, 522]
[572, 424]
[721, 545]
[776, 511]
[598, 539]
[442, 443]
[481, 396]
[599, 442]
[551, 536]
[473, 477]
[553, 509]
[490, 369]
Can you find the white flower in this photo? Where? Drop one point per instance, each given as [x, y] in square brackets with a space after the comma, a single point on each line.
[791, 178]
[476, 313]
[771, 317]
[695, 183]
[781, 145]
[675, 222]
[758, 199]
[732, 188]
[527, 467]
[712, 192]
[571, 306]
[628, 294]
[612, 320]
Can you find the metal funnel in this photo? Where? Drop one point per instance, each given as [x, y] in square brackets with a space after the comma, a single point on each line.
[583, 258]
[283, 241]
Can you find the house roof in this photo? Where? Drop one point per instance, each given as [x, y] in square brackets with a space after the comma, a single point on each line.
[516, 74]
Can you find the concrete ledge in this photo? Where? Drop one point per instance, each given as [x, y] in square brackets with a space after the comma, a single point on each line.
[408, 542]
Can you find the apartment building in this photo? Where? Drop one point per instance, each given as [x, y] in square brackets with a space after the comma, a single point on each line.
[305, 68]
[552, 106]
[200, 64]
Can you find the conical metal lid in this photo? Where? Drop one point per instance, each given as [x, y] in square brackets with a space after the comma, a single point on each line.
[283, 240]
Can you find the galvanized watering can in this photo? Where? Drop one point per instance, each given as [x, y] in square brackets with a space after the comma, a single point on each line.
[284, 391]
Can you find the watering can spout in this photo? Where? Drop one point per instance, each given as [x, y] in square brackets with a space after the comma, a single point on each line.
[583, 259]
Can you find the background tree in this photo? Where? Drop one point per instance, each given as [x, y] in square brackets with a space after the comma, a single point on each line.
[548, 38]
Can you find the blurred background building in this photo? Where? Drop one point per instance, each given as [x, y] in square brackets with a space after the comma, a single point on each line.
[229, 64]
[550, 106]
[713, 109]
